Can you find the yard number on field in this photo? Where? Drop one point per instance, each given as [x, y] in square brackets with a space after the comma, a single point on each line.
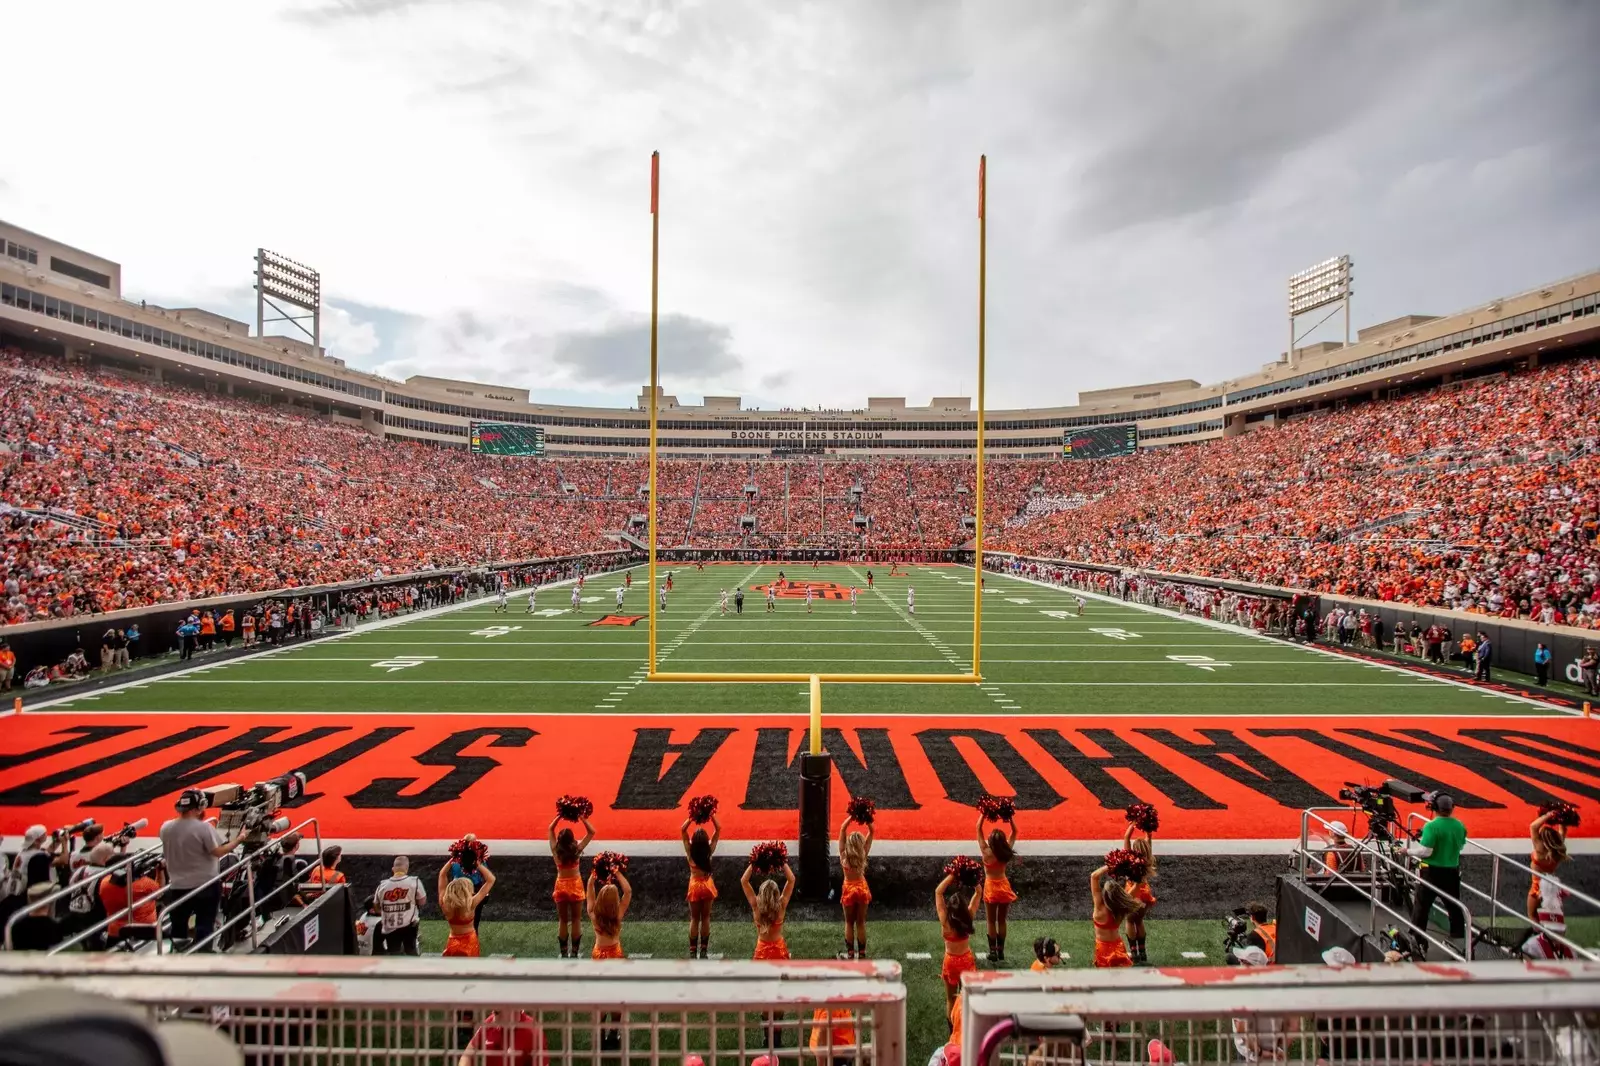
[400, 662]
[1204, 662]
[1113, 632]
[497, 631]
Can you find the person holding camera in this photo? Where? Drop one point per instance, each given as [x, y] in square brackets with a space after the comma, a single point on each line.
[1438, 847]
[85, 908]
[1263, 929]
[193, 849]
[135, 904]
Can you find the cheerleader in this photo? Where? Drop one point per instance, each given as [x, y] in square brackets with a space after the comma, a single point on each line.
[854, 895]
[956, 924]
[459, 903]
[607, 907]
[998, 849]
[1547, 900]
[1046, 954]
[768, 907]
[698, 849]
[1144, 847]
[1112, 905]
[569, 893]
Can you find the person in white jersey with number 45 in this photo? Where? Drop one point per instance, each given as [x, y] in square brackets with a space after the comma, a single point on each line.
[400, 900]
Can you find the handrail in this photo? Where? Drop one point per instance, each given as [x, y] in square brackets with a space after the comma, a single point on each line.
[250, 887]
[1496, 905]
[1362, 847]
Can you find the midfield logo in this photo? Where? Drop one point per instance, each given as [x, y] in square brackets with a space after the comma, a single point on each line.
[823, 590]
[617, 620]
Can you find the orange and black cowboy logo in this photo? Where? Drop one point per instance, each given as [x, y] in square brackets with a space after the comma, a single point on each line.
[796, 590]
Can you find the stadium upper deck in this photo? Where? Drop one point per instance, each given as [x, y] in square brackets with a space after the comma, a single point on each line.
[56, 298]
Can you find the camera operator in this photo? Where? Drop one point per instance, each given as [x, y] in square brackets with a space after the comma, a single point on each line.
[1438, 847]
[92, 836]
[85, 909]
[1263, 929]
[282, 867]
[192, 848]
[147, 876]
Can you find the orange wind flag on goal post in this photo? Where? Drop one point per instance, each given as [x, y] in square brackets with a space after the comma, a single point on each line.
[655, 179]
[982, 165]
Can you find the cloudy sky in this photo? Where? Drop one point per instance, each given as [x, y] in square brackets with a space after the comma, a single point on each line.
[471, 177]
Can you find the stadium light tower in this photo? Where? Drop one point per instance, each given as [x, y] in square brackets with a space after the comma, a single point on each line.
[1329, 282]
[280, 279]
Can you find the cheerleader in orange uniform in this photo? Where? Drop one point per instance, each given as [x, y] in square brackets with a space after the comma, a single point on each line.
[608, 905]
[702, 889]
[459, 903]
[769, 906]
[998, 849]
[854, 895]
[567, 849]
[955, 922]
[1112, 905]
[1144, 847]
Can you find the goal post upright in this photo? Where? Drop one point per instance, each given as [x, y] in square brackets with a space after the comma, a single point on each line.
[977, 522]
[655, 369]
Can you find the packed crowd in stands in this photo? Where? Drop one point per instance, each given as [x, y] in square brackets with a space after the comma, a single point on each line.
[115, 493]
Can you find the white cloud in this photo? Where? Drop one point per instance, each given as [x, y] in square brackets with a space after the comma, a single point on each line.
[347, 337]
[1157, 169]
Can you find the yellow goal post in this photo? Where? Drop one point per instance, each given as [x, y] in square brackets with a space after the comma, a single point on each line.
[814, 679]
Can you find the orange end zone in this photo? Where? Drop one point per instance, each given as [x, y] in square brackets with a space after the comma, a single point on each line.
[435, 777]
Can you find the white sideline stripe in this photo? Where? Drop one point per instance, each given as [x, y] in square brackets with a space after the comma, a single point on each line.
[1224, 627]
[360, 629]
[657, 848]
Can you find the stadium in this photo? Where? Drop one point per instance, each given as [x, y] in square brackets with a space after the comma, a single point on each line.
[1232, 656]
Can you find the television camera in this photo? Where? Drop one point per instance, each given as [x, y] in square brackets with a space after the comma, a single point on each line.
[1237, 934]
[1377, 803]
[251, 810]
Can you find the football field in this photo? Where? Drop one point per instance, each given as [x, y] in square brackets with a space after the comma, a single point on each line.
[485, 712]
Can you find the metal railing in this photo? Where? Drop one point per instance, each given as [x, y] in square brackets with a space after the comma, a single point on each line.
[325, 1010]
[1501, 1013]
[165, 907]
[1374, 861]
[1498, 907]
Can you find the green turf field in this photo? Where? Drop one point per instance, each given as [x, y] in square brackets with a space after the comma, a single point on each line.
[1040, 656]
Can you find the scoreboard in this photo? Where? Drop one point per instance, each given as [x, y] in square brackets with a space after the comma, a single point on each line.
[1099, 442]
[506, 438]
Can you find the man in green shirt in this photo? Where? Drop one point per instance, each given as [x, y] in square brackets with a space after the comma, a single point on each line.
[1439, 846]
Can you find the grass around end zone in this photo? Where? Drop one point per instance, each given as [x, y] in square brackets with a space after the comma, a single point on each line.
[1039, 657]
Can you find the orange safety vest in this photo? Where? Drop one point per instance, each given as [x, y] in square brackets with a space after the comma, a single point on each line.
[1268, 932]
[227, 622]
[208, 626]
